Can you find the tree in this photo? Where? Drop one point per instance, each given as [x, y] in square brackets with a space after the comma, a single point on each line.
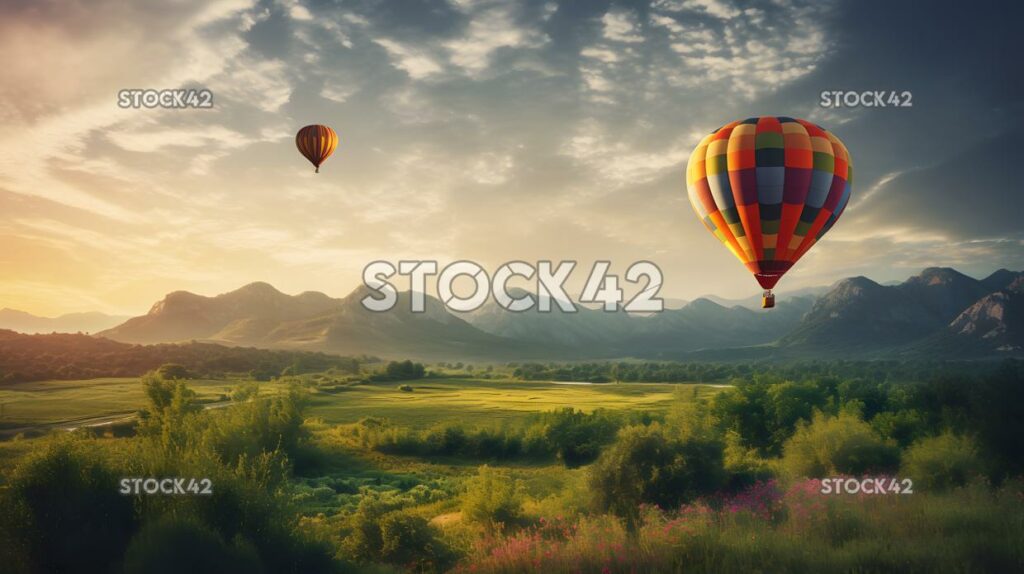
[645, 465]
[839, 445]
[941, 462]
[405, 370]
[170, 371]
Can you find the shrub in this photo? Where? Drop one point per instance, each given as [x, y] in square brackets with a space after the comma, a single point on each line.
[646, 466]
[492, 498]
[62, 512]
[171, 545]
[408, 539]
[942, 462]
[378, 532]
[839, 445]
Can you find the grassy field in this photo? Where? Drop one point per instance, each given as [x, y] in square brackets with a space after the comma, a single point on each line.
[48, 402]
[431, 401]
[484, 402]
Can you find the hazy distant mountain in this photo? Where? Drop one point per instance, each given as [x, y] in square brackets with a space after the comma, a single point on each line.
[23, 322]
[351, 328]
[856, 317]
[696, 325]
[591, 329]
[704, 324]
[260, 315]
[245, 315]
[754, 300]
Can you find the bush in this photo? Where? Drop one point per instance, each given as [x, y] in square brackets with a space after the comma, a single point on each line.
[408, 539]
[378, 532]
[62, 512]
[942, 462]
[492, 498]
[646, 466]
[840, 445]
[171, 545]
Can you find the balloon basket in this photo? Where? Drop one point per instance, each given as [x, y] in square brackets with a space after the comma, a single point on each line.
[767, 299]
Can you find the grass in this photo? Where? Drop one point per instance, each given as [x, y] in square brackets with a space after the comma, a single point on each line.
[49, 402]
[484, 402]
[431, 401]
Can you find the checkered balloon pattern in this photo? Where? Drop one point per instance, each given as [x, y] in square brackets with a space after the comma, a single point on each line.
[769, 188]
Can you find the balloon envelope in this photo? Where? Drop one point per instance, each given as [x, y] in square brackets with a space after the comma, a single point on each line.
[317, 143]
[769, 188]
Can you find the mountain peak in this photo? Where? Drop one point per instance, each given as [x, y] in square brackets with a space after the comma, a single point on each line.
[258, 287]
[703, 303]
[853, 286]
[1001, 279]
[938, 276]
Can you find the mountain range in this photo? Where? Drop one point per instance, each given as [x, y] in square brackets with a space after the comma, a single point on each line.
[938, 312]
[89, 322]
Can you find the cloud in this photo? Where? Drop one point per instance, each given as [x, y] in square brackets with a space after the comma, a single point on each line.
[489, 29]
[621, 26]
[413, 61]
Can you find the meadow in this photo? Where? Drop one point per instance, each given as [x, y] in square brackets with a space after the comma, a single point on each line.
[54, 402]
[485, 401]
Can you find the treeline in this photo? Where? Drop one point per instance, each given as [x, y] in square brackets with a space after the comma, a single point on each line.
[75, 356]
[656, 371]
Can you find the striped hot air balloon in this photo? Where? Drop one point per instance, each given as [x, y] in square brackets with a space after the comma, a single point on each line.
[769, 188]
[317, 143]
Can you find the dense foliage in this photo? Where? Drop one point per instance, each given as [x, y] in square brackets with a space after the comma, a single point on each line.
[64, 356]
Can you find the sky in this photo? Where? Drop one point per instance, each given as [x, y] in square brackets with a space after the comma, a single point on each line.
[482, 130]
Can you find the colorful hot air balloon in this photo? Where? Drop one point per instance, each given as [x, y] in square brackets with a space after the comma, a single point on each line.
[769, 188]
[317, 143]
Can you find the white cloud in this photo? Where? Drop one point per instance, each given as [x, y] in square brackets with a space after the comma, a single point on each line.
[489, 29]
[603, 54]
[413, 61]
[621, 26]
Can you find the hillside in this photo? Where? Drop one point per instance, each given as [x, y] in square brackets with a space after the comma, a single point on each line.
[242, 316]
[859, 317]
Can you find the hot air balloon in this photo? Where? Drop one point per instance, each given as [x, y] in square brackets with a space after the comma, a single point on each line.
[769, 188]
[317, 143]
